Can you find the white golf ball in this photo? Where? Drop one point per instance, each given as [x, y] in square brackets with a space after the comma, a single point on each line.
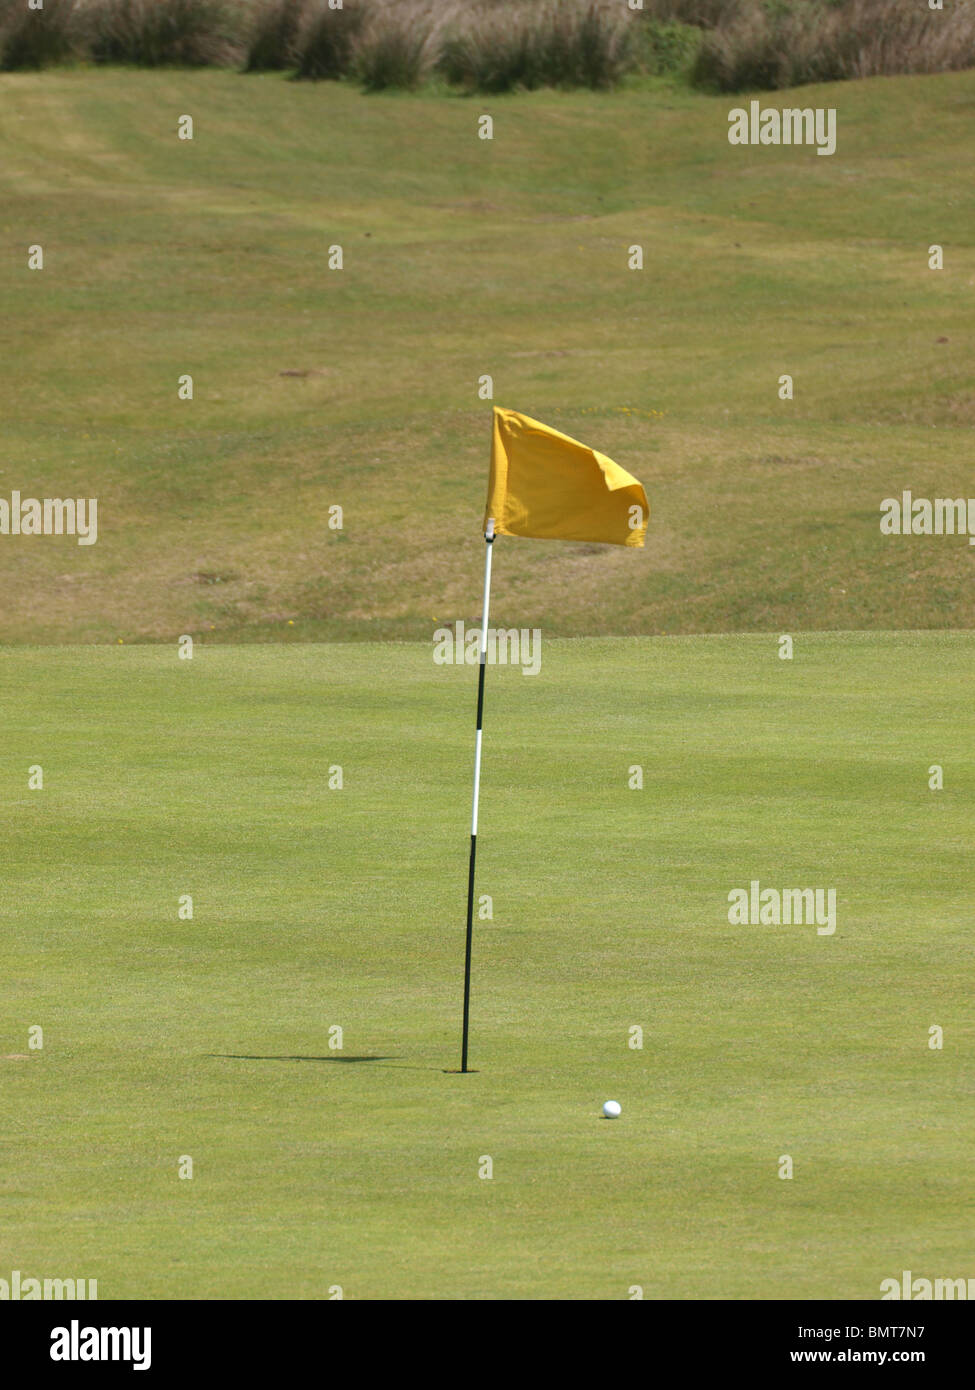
[611, 1109]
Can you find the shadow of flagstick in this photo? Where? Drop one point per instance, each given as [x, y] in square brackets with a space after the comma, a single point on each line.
[294, 1057]
[303, 1057]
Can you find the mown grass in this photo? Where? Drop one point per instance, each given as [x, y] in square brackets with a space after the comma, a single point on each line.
[462, 258]
[313, 907]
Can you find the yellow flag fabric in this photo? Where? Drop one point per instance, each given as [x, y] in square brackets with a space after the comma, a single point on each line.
[545, 485]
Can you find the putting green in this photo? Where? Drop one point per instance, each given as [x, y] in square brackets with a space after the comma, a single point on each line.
[315, 1167]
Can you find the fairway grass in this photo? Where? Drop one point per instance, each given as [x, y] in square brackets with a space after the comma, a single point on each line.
[465, 258]
[358, 1168]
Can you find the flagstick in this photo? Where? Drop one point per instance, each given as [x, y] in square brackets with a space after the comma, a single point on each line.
[488, 547]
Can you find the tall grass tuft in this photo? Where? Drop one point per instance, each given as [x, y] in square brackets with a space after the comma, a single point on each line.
[899, 37]
[326, 43]
[792, 42]
[273, 41]
[554, 43]
[158, 33]
[37, 38]
[398, 44]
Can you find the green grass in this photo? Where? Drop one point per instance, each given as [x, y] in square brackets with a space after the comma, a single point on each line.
[317, 907]
[465, 257]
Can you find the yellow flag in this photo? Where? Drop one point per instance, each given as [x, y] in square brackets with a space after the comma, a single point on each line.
[546, 485]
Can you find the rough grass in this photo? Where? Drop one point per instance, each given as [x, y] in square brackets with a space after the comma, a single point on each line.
[326, 41]
[313, 907]
[162, 33]
[398, 45]
[520, 47]
[273, 39]
[494, 46]
[776, 46]
[34, 39]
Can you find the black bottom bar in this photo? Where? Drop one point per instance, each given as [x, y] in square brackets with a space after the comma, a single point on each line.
[740, 1338]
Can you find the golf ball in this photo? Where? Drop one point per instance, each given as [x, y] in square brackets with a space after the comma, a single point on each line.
[611, 1109]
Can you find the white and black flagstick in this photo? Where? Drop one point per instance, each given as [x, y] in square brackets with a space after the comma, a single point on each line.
[488, 547]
